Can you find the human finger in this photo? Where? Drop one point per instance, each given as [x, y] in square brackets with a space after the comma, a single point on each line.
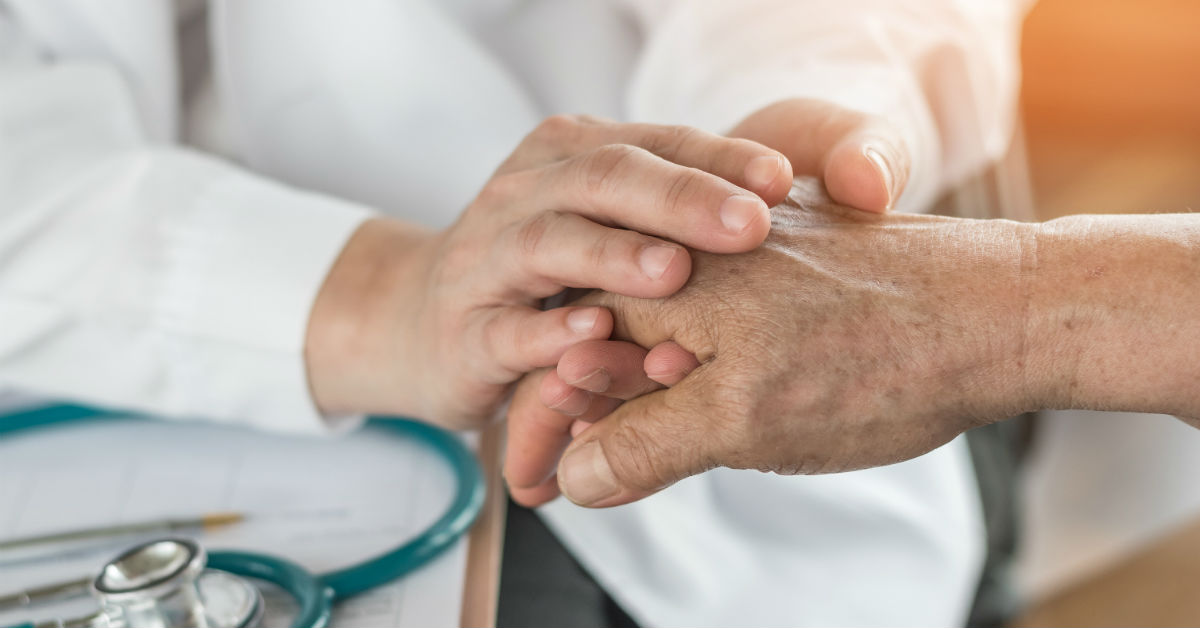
[644, 446]
[668, 363]
[611, 368]
[580, 405]
[747, 164]
[537, 436]
[862, 160]
[628, 186]
[519, 339]
[532, 497]
[551, 250]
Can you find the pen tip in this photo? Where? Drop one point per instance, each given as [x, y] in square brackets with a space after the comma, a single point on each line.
[218, 519]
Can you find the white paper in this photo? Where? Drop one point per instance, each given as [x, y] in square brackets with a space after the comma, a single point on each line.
[324, 503]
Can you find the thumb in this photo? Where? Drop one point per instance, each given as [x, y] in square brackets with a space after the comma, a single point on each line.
[862, 160]
[641, 448]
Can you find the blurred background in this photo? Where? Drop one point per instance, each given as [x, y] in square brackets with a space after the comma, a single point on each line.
[1112, 105]
[1111, 101]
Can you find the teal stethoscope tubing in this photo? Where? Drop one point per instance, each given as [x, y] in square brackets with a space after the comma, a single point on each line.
[316, 594]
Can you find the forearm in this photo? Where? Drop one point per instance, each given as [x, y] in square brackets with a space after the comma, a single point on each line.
[1115, 313]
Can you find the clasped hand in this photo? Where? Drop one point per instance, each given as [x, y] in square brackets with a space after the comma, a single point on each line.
[439, 325]
[848, 340]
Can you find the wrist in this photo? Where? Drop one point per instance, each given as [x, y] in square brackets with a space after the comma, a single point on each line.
[994, 289]
[363, 319]
[1112, 313]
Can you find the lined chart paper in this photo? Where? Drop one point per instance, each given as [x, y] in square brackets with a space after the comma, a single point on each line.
[322, 502]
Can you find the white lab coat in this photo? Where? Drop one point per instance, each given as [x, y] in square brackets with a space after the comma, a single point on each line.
[137, 270]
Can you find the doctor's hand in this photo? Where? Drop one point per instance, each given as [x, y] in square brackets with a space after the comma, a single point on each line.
[848, 340]
[860, 158]
[439, 325]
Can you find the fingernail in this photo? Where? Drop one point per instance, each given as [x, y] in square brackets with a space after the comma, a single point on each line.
[586, 477]
[583, 321]
[739, 210]
[574, 404]
[761, 172]
[655, 260]
[885, 171]
[656, 374]
[597, 381]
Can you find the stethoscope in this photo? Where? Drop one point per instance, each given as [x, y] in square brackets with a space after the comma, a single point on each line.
[174, 583]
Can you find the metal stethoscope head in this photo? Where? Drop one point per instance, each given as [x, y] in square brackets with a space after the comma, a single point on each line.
[174, 583]
[166, 583]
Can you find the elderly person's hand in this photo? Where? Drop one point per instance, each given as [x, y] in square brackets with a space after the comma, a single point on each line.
[862, 162]
[852, 340]
[848, 340]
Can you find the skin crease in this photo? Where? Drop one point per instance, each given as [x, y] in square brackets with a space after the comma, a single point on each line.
[568, 208]
[441, 325]
[863, 163]
[895, 334]
[775, 387]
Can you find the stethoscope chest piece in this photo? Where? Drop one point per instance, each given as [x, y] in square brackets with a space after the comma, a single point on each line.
[168, 583]
[165, 583]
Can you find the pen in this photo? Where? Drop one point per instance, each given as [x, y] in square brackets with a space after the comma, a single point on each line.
[72, 542]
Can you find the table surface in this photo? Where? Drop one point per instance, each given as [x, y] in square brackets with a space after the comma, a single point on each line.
[1156, 586]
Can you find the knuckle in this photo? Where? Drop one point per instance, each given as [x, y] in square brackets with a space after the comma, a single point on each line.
[557, 128]
[641, 461]
[736, 423]
[592, 120]
[507, 350]
[500, 188]
[600, 251]
[532, 233]
[695, 323]
[837, 122]
[456, 261]
[682, 188]
[601, 169]
[743, 149]
[670, 139]
[495, 338]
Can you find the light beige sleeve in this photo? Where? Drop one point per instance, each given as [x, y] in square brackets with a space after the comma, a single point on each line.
[945, 72]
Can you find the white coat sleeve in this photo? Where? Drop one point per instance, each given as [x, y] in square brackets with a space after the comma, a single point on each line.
[149, 277]
[944, 72]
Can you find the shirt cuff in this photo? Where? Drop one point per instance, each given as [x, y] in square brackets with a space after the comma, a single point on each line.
[242, 272]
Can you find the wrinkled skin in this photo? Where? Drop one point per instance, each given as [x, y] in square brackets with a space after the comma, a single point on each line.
[848, 340]
[441, 325]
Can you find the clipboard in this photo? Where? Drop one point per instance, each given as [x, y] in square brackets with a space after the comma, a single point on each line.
[485, 542]
[317, 505]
